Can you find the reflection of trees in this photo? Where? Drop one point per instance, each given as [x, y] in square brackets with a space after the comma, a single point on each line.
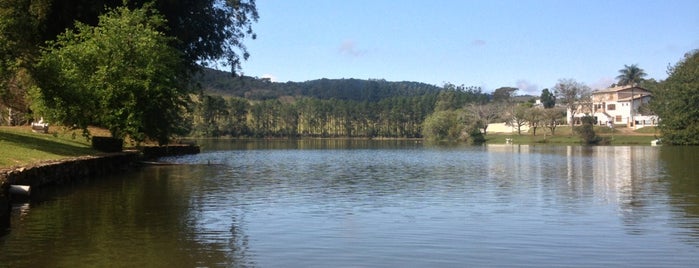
[140, 219]
[682, 173]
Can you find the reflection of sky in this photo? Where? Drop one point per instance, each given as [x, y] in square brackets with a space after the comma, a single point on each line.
[427, 204]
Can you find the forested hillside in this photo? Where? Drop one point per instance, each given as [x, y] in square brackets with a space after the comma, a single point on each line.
[247, 106]
[224, 83]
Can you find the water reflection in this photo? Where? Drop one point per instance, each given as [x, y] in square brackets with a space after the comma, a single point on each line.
[142, 219]
[275, 203]
[682, 174]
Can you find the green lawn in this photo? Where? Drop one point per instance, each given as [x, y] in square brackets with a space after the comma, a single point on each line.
[20, 146]
[563, 136]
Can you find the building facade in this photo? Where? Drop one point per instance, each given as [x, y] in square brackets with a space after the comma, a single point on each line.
[618, 106]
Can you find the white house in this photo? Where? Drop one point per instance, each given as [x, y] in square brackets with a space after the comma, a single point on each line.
[618, 105]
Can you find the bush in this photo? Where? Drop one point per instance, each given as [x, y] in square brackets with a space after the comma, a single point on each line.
[587, 131]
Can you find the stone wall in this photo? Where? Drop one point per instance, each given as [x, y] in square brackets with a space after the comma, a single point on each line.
[59, 172]
[68, 170]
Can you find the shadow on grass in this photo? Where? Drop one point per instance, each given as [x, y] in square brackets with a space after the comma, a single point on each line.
[45, 145]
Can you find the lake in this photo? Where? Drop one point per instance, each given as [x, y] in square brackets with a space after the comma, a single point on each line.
[353, 203]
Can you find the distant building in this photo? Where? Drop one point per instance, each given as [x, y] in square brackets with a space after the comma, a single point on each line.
[614, 106]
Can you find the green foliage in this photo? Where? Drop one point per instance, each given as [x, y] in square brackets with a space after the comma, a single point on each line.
[373, 90]
[121, 74]
[630, 75]
[547, 98]
[443, 125]
[453, 125]
[587, 131]
[504, 94]
[19, 40]
[676, 102]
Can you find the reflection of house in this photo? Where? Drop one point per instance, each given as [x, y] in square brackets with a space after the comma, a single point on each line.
[614, 105]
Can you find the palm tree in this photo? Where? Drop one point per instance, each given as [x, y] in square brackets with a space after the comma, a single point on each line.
[631, 75]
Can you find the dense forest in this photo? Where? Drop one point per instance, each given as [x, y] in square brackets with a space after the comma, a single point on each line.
[248, 106]
[223, 83]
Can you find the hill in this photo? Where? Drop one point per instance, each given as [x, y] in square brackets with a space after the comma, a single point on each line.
[217, 82]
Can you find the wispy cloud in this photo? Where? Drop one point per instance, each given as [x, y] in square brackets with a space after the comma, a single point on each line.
[350, 48]
[527, 88]
[478, 43]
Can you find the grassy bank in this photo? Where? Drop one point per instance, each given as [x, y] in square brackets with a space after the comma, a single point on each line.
[564, 135]
[20, 146]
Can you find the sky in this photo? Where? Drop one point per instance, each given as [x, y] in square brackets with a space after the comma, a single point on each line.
[526, 44]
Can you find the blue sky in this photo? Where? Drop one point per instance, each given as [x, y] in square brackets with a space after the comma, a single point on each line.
[526, 44]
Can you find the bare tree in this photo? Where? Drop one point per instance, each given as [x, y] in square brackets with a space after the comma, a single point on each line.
[517, 118]
[576, 97]
[552, 117]
[535, 117]
[485, 113]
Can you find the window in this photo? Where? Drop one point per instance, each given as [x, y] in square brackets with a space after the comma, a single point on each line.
[618, 118]
[611, 107]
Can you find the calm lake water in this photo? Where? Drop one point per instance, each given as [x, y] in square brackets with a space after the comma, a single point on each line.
[373, 204]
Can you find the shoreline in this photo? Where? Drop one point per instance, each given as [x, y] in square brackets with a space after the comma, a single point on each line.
[76, 169]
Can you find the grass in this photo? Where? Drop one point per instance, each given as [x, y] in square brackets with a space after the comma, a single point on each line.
[19, 146]
[564, 135]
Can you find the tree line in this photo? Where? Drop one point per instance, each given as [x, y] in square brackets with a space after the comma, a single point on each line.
[449, 112]
[395, 115]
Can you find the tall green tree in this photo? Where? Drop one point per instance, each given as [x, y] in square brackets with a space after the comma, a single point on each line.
[20, 24]
[443, 125]
[630, 75]
[548, 99]
[676, 102]
[121, 74]
[504, 94]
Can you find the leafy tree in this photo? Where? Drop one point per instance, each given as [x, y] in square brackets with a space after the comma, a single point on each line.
[20, 22]
[443, 125]
[587, 131]
[574, 95]
[121, 74]
[547, 98]
[504, 94]
[677, 102]
[630, 75]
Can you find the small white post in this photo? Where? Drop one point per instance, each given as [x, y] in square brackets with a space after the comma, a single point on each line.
[24, 190]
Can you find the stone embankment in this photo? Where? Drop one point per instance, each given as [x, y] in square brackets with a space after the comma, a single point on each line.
[75, 170]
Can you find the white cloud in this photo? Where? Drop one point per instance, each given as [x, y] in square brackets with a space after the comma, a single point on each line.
[349, 48]
[527, 88]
